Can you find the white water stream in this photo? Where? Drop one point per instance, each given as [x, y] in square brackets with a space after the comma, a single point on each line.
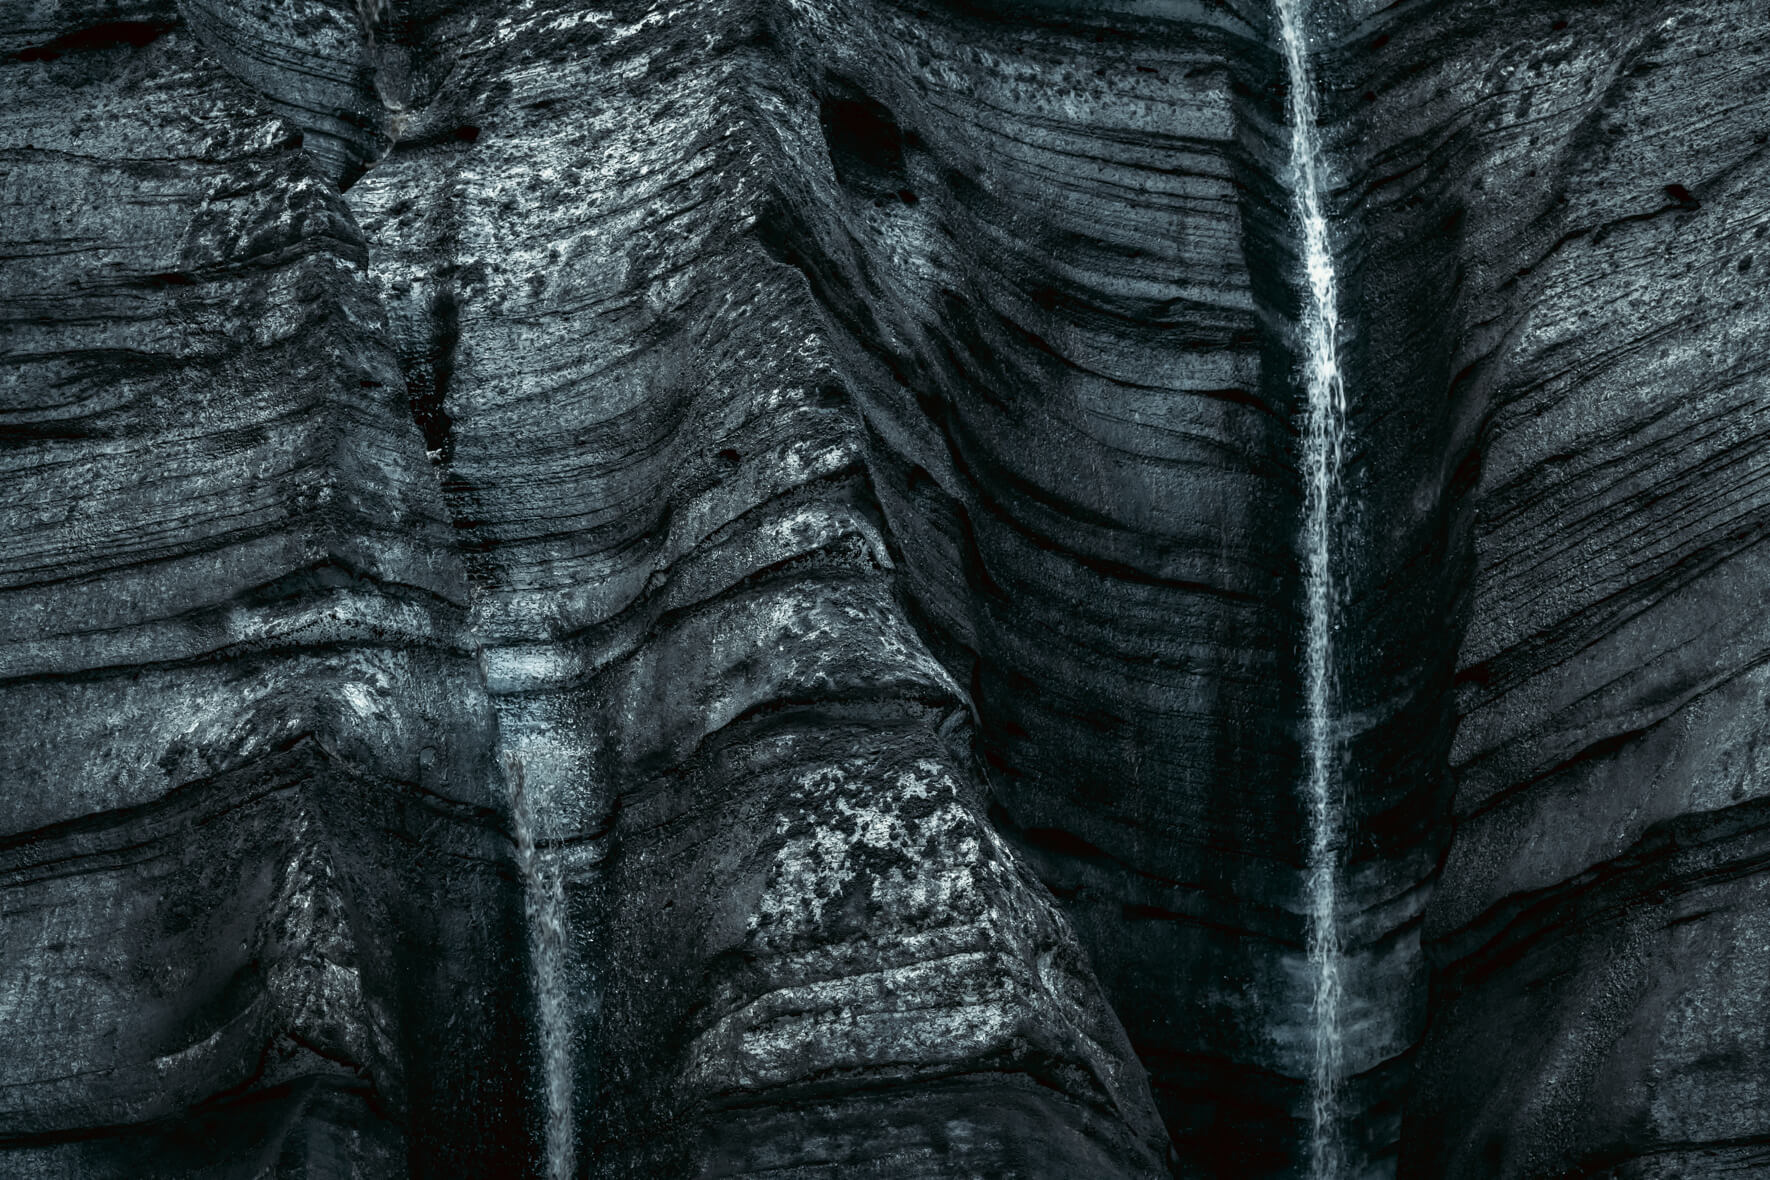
[1323, 433]
[543, 896]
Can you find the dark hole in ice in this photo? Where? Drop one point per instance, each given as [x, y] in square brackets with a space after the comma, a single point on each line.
[866, 144]
[427, 385]
[110, 35]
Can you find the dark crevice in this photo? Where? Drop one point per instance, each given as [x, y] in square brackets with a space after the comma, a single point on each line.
[428, 381]
[136, 34]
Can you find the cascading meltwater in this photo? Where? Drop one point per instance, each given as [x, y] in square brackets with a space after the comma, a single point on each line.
[1322, 437]
[544, 911]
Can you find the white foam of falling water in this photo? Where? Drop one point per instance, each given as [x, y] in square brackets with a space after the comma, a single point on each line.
[1326, 399]
[544, 910]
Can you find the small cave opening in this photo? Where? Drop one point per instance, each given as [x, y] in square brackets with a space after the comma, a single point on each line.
[865, 141]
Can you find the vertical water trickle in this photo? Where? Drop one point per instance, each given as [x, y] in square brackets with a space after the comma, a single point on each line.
[544, 911]
[1326, 408]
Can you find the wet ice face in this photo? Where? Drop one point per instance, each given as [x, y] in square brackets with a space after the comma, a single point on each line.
[1325, 400]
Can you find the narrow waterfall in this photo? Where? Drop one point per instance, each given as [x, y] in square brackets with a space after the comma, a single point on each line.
[544, 911]
[1322, 435]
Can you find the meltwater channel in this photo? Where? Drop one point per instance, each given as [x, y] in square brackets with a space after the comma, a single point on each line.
[1323, 433]
[544, 913]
